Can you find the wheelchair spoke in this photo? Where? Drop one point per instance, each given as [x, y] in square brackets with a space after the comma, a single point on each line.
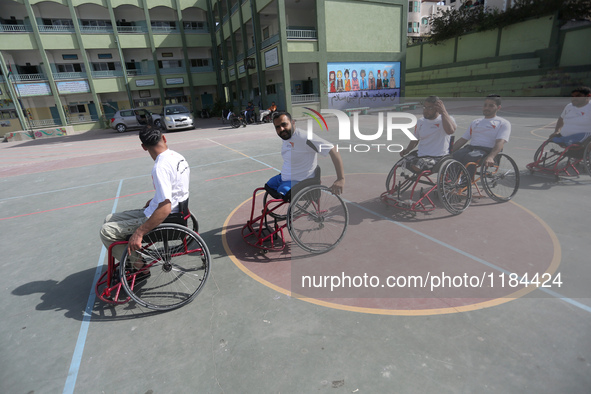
[501, 181]
[317, 219]
[176, 267]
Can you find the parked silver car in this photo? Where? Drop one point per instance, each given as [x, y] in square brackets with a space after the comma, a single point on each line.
[136, 118]
[176, 117]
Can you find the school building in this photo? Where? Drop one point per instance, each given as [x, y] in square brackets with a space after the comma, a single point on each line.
[75, 62]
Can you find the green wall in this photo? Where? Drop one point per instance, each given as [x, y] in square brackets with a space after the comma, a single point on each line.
[531, 58]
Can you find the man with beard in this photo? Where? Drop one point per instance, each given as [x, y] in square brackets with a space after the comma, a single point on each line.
[300, 158]
[433, 132]
[487, 136]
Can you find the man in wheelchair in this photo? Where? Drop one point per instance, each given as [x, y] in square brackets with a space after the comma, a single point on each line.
[574, 124]
[300, 158]
[487, 136]
[433, 132]
[170, 176]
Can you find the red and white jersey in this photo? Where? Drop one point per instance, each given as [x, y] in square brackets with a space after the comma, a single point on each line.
[576, 120]
[433, 140]
[485, 131]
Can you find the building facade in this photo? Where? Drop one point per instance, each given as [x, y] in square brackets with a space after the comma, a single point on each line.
[75, 62]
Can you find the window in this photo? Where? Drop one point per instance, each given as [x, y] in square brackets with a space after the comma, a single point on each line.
[265, 33]
[425, 21]
[417, 6]
[169, 63]
[69, 68]
[199, 62]
[77, 108]
[271, 89]
[165, 25]
[70, 57]
[194, 25]
[105, 56]
[104, 66]
[167, 54]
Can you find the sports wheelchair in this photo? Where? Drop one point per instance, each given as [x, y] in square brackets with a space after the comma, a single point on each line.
[558, 159]
[410, 189]
[316, 219]
[500, 181]
[175, 266]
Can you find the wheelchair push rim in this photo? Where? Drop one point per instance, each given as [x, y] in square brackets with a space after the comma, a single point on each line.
[501, 181]
[454, 187]
[175, 264]
[317, 219]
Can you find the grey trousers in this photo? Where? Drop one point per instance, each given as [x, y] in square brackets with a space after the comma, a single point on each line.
[120, 226]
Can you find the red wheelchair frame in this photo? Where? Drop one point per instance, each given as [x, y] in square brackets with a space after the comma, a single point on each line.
[556, 159]
[177, 250]
[402, 187]
[315, 218]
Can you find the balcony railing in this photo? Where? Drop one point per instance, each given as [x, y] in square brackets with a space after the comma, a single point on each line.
[202, 69]
[107, 74]
[304, 98]
[69, 75]
[96, 29]
[172, 70]
[38, 123]
[82, 119]
[302, 34]
[15, 28]
[131, 29]
[270, 41]
[56, 29]
[134, 73]
[28, 77]
[196, 30]
[164, 29]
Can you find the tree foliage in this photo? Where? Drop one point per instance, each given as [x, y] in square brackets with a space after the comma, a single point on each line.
[456, 22]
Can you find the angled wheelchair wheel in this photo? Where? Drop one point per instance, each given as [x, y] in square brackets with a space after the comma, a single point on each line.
[501, 181]
[174, 267]
[550, 156]
[399, 178]
[317, 219]
[454, 186]
[587, 158]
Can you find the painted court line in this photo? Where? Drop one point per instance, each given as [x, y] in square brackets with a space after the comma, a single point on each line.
[77, 356]
[125, 179]
[475, 258]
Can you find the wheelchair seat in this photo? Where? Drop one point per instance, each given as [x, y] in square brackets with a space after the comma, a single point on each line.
[315, 180]
[181, 216]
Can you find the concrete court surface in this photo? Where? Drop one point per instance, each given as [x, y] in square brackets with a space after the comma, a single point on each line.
[244, 335]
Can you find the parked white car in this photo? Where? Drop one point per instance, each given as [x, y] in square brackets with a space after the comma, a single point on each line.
[177, 117]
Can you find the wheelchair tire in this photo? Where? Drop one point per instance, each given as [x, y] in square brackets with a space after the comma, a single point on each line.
[399, 178]
[317, 219]
[501, 181]
[550, 156]
[176, 267]
[235, 122]
[587, 158]
[454, 186]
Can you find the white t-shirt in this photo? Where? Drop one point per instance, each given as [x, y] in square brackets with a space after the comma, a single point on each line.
[485, 131]
[300, 155]
[576, 120]
[170, 176]
[433, 140]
